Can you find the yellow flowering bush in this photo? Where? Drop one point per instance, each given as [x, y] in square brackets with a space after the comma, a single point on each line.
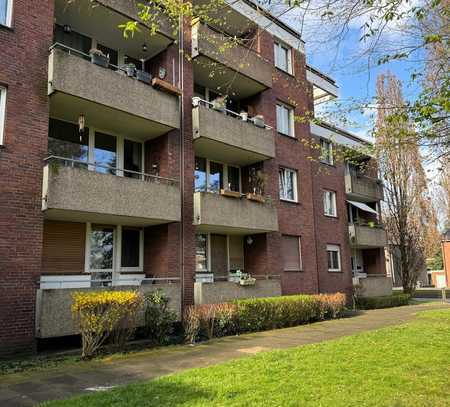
[100, 313]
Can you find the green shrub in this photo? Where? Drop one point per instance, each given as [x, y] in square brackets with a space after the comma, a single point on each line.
[259, 314]
[387, 301]
[159, 319]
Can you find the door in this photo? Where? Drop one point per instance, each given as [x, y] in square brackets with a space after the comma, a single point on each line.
[219, 255]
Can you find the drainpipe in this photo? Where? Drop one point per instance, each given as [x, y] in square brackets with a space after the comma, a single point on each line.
[181, 101]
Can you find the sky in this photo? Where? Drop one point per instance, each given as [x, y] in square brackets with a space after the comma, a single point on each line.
[354, 72]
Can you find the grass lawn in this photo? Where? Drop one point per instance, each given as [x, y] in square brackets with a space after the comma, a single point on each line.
[406, 365]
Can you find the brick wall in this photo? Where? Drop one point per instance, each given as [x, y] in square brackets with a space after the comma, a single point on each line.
[23, 70]
[331, 230]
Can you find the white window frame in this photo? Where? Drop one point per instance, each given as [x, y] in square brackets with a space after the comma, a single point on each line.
[294, 180]
[120, 148]
[139, 268]
[280, 106]
[328, 158]
[334, 248]
[117, 252]
[3, 93]
[285, 65]
[329, 210]
[225, 174]
[9, 12]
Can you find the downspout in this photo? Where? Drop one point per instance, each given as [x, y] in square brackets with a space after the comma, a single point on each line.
[181, 101]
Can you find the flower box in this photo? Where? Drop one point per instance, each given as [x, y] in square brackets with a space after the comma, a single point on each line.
[255, 197]
[230, 194]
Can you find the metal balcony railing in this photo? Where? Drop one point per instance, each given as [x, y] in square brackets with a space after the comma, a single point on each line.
[92, 165]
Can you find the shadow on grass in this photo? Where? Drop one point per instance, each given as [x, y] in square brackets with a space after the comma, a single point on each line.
[153, 393]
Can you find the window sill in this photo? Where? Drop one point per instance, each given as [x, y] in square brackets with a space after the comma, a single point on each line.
[336, 271]
[327, 164]
[293, 271]
[331, 216]
[289, 201]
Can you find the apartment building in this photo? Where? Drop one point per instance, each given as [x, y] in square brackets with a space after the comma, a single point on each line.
[125, 163]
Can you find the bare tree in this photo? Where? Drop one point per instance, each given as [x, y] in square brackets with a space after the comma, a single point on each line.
[407, 207]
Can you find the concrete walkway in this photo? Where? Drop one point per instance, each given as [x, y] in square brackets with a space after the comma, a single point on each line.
[29, 388]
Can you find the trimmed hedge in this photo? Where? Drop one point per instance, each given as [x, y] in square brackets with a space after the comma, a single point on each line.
[387, 301]
[260, 314]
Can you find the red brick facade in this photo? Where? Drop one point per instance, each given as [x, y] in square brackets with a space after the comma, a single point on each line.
[169, 250]
[23, 71]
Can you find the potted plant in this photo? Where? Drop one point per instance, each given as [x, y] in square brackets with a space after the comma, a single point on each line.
[143, 76]
[230, 193]
[130, 69]
[246, 279]
[244, 115]
[258, 121]
[258, 182]
[219, 104]
[99, 58]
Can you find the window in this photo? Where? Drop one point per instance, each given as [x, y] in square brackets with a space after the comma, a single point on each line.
[283, 57]
[326, 151]
[200, 174]
[105, 153]
[201, 252]
[65, 140]
[334, 258]
[2, 113]
[5, 12]
[101, 248]
[291, 251]
[285, 120]
[131, 249]
[288, 184]
[215, 179]
[132, 158]
[212, 176]
[234, 179]
[329, 203]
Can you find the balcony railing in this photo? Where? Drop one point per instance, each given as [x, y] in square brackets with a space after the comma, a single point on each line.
[116, 98]
[76, 190]
[224, 135]
[367, 235]
[92, 165]
[364, 187]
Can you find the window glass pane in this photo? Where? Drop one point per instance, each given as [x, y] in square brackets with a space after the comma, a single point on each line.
[3, 10]
[64, 140]
[200, 174]
[102, 242]
[215, 177]
[73, 39]
[111, 53]
[233, 178]
[132, 160]
[290, 185]
[201, 253]
[130, 247]
[105, 153]
[281, 183]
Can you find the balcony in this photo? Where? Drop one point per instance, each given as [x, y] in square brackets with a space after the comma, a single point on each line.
[366, 237]
[220, 214]
[362, 187]
[324, 87]
[53, 305]
[225, 137]
[117, 103]
[226, 291]
[100, 19]
[236, 69]
[72, 192]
